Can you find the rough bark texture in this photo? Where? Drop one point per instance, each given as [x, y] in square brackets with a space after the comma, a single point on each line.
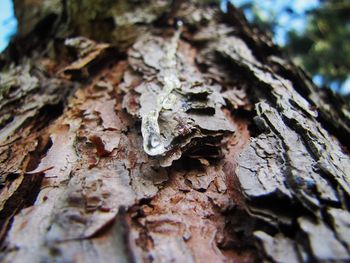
[158, 131]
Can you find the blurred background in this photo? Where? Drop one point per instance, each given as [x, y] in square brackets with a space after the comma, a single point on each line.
[315, 33]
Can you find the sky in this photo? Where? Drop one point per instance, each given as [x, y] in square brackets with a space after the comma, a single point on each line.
[8, 23]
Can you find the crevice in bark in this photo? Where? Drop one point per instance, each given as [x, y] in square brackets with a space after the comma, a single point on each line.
[26, 193]
[22, 46]
[259, 42]
[332, 118]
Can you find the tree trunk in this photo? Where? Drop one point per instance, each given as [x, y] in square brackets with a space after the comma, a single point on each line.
[159, 131]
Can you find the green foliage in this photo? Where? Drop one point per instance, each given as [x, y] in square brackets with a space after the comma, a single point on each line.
[324, 46]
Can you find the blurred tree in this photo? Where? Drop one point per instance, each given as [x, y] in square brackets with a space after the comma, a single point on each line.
[323, 48]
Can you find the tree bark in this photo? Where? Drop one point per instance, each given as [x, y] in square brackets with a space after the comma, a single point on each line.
[159, 131]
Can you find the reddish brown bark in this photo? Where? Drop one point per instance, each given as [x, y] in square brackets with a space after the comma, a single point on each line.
[253, 164]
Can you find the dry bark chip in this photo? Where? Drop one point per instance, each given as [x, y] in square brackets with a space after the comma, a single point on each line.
[89, 54]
